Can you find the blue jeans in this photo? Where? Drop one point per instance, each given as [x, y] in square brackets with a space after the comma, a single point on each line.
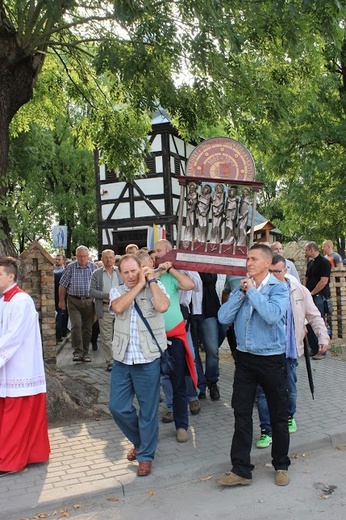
[142, 381]
[262, 405]
[213, 336]
[196, 321]
[312, 338]
[270, 373]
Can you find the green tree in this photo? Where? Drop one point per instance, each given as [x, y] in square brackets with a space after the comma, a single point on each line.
[303, 159]
[51, 181]
[238, 63]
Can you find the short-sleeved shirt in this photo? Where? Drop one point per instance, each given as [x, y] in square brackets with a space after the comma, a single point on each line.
[334, 259]
[173, 315]
[318, 268]
[133, 354]
[76, 279]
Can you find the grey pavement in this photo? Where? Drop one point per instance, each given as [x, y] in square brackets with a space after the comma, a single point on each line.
[89, 458]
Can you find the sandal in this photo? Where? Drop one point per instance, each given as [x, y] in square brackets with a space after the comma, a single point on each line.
[87, 359]
[76, 357]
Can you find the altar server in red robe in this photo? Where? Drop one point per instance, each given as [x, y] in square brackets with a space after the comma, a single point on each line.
[23, 418]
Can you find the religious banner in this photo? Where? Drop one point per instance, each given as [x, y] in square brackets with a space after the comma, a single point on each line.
[59, 237]
[218, 193]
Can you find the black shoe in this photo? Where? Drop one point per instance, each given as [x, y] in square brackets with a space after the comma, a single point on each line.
[202, 395]
[4, 473]
[214, 392]
[95, 346]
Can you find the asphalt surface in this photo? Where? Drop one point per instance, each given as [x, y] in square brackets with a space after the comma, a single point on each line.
[89, 459]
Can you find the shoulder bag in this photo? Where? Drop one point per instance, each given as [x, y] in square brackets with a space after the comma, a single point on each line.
[167, 364]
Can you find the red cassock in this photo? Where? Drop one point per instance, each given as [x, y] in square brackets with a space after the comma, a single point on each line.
[23, 417]
[23, 431]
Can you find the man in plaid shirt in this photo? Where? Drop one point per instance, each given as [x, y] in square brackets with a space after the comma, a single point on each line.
[136, 367]
[75, 282]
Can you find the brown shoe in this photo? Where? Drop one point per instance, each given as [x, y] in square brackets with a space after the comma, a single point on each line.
[195, 406]
[144, 468]
[231, 479]
[132, 454]
[319, 356]
[182, 435]
[168, 418]
[282, 477]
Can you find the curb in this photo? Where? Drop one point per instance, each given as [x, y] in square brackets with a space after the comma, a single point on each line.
[209, 466]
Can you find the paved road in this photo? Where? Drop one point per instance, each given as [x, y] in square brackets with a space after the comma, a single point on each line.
[88, 459]
[317, 492]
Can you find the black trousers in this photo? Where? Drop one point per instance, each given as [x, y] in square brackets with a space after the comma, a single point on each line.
[312, 338]
[270, 373]
[61, 321]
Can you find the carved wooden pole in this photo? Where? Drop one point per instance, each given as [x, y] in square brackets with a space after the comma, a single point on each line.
[181, 210]
[254, 200]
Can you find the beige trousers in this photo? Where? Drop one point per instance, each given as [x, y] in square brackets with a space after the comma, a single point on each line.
[106, 325]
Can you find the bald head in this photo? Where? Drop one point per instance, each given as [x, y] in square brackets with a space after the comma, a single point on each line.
[276, 248]
[162, 247]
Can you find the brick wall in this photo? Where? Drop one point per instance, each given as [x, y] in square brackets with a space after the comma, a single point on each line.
[338, 294]
[38, 281]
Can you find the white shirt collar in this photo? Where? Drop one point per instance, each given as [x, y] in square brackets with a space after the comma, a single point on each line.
[263, 283]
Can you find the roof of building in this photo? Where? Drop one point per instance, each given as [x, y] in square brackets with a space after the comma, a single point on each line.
[260, 222]
[160, 117]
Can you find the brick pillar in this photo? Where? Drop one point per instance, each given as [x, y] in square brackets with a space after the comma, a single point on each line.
[338, 295]
[39, 283]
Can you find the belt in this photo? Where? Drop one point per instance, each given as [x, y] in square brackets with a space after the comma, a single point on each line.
[79, 297]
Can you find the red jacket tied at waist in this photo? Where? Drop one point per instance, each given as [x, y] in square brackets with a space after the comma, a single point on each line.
[180, 333]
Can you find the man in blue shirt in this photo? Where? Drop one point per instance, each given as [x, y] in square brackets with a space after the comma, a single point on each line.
[258, 309]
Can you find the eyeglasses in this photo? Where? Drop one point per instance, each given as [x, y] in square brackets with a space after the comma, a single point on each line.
[277, 272]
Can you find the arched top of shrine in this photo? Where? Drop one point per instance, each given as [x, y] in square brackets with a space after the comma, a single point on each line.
[221, 159]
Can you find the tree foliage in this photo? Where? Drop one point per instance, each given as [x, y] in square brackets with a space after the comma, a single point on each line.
[51, 181]
[272, 73]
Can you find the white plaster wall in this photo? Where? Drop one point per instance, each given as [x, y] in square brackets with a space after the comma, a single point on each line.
[102, 172]
[156, 145]
[152, 186]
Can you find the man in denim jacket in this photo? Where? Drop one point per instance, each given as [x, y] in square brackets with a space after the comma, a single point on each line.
[258, 309]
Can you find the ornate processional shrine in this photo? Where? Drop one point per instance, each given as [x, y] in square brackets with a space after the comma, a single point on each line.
[216, 195]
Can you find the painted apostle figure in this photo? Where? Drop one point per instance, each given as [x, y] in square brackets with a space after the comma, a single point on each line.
[217, 208]
[191, 204]
[231, 216]
[203, 208]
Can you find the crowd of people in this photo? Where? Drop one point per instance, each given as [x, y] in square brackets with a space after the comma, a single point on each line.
[142, 305]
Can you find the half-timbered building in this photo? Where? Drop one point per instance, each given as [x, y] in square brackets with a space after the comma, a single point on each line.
[126, 209]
